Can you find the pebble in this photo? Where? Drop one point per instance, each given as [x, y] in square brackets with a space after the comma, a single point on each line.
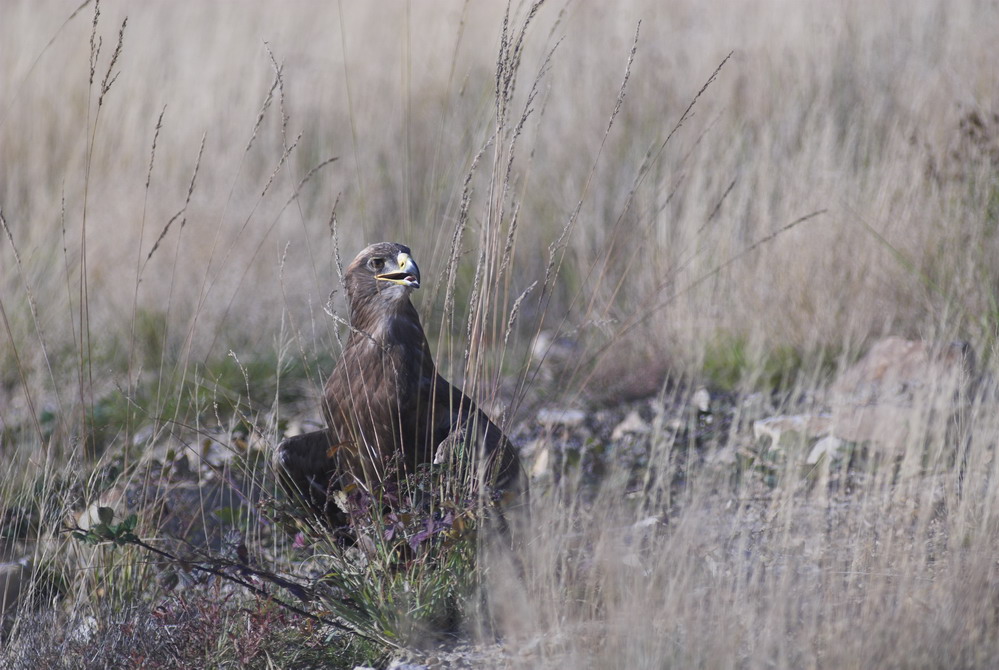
[702, 400]
[554, 416]
[633, 424]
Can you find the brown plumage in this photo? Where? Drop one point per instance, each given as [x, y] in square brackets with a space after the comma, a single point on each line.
[385, 405]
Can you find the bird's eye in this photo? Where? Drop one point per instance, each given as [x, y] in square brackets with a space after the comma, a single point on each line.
[376, 264]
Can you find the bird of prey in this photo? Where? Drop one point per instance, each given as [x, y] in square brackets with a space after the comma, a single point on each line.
[386, 407]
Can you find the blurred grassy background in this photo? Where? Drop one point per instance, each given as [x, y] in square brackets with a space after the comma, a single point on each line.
[849, 108]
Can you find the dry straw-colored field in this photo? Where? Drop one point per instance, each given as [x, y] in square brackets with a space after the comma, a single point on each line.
[170, 238]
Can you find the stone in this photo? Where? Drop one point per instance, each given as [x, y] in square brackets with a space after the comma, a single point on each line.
[556, 416]
[701, 400]
[403, 665]
[551, 348]
[828, 446]
[792, 427]
[541, 464]
[898, 389]
[633, 424]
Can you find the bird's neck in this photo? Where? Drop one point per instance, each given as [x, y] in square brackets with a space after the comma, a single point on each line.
[389, 322]
[393, 331]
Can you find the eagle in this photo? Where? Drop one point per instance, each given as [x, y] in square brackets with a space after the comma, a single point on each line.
[386, 407]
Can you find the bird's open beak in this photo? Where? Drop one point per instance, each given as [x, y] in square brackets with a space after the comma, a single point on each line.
[407, 274]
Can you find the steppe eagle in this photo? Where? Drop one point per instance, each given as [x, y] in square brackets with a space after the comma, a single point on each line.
[386, 407]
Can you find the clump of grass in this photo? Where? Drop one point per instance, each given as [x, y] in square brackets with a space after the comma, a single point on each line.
[204, 629]
[403, 568]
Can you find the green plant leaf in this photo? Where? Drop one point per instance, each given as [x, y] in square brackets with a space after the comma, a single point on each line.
[105, 515]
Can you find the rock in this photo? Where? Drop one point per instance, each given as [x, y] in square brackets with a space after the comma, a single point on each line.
[793, 427]
[143, 436]
[541, 464]
[224, 449]
[553, 416]
[828, 446]
[86, 630]
[898, 369]
[900, 386]
[298, 426]
[633, 424]
[402, 665]
[701, 400]
[551, 348]
[647, 522]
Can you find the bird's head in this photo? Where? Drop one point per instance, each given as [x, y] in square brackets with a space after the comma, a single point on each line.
[384, 272]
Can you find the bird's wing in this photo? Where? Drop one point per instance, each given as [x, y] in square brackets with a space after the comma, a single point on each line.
[308, 463]
[460, 426]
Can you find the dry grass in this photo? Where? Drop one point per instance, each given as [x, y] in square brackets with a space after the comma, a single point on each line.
[170, 244]
[892, 567]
